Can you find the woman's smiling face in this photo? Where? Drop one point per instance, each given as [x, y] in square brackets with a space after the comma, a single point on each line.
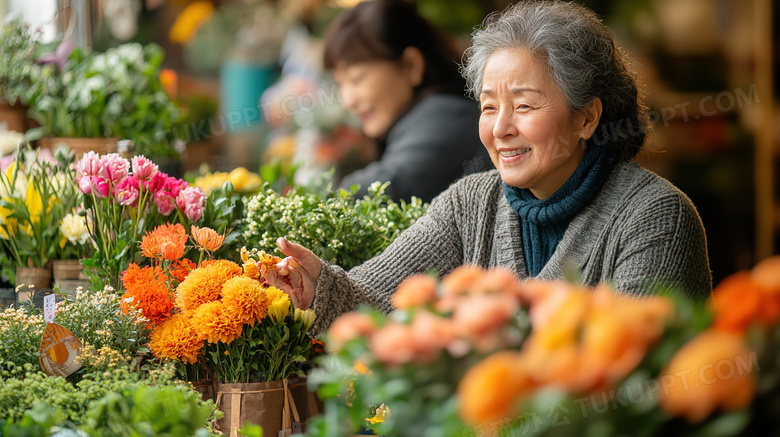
[526, 125]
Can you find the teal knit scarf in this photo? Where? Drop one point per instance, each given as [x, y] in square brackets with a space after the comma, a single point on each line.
[544, 221]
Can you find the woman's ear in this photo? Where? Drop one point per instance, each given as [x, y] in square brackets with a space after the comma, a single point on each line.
[590, 117]
[414, 65]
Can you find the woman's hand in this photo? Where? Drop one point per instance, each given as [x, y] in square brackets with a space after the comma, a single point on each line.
[297, 274]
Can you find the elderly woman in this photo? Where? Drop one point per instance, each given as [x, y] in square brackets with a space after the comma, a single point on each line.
[562, 117]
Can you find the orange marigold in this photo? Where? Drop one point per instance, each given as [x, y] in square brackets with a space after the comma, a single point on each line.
[166, 241]
[176, 339]
[245, 299]
[214, 322]
[267, 262]
[207, 238]
[204, 285]
[149, 292]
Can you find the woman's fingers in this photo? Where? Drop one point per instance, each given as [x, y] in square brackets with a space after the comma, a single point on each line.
[301, 255]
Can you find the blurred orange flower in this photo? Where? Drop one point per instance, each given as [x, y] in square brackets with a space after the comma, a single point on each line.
[164, 242]
[414, 291]
[767, 274]
[204, 285]
[492, 389]
[478, 315]
[393, 344]
[712, 371]
[348, 327]
[461, 280]
[207, 238]
[176, 339]
[181, 269]
[738, 301]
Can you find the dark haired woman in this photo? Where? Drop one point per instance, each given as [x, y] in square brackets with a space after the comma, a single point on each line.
[399, 76]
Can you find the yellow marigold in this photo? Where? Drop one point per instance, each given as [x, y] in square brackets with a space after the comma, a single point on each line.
[204, 285]
[267, 262]
[245, 299]
[279, 304]
[213, 322]
[176, 339]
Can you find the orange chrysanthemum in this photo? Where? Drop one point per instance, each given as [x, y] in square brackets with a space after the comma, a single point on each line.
[165, 242]
[204, 285]
[149, 293]
[245, 299]
[214, 322]
[181, 269]
[207, 238]
[176, 339]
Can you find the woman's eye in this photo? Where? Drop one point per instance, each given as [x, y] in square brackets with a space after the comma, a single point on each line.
[523, 107]
[487, 108]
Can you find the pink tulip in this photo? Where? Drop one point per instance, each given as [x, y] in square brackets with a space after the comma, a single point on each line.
[174, 186]
[85, 185]
[115, 168]
[99, 186]
[89, 165]
[193, 212]
[127, 196]
[143, 168]
[156, 183]
[165, 203]
[190, 196]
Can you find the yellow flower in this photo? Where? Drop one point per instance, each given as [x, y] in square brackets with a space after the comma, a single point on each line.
[280, 304]
[308, 317]
[243, 180]
[382, 412]
[190, 19]
[251, 270]
[34, 203]
[74, 228]
[204, 285]
[9, 224]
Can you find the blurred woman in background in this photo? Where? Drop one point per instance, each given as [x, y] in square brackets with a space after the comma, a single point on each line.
[399, 76]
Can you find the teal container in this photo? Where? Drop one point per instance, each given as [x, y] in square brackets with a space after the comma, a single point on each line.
[241, 85]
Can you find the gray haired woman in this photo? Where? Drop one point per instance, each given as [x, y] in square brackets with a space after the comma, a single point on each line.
[562, 117]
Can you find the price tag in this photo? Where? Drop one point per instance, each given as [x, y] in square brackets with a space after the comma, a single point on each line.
[49, 308]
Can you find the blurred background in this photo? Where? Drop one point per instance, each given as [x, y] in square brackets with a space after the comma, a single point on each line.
[247, 81]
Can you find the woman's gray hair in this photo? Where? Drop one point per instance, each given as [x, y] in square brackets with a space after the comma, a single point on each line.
[583, 59]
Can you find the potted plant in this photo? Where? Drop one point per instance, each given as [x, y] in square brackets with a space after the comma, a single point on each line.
[36, 191]
[90, 100]
[18, 50]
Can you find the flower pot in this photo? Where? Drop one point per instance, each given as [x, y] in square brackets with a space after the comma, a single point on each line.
[34, 282]
[205, 387]
[275, 406]
[13, 117]
[69, 275]
[81, 145]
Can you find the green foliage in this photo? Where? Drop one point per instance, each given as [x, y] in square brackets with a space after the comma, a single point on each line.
[224, 213]
[103, 95]
[18, 51]
[335, 226]
[105, 405]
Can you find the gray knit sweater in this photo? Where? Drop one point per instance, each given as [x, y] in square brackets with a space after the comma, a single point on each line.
[639, 232]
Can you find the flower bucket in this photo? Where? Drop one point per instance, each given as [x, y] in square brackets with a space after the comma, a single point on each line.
[35, 281]
[68, 275]
[13, 117]
[205, 387]
[81, 145]
[281, 408]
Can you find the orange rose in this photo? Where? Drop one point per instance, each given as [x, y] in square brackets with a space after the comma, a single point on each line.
[767, 274]
[461, 280]
[711, 371]
[393, 344]
[492, 389]
[414, 291]
[564, 314]
[478, 315]
[431, 334]
[738, 301]
[497, 280]
[347, 328]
